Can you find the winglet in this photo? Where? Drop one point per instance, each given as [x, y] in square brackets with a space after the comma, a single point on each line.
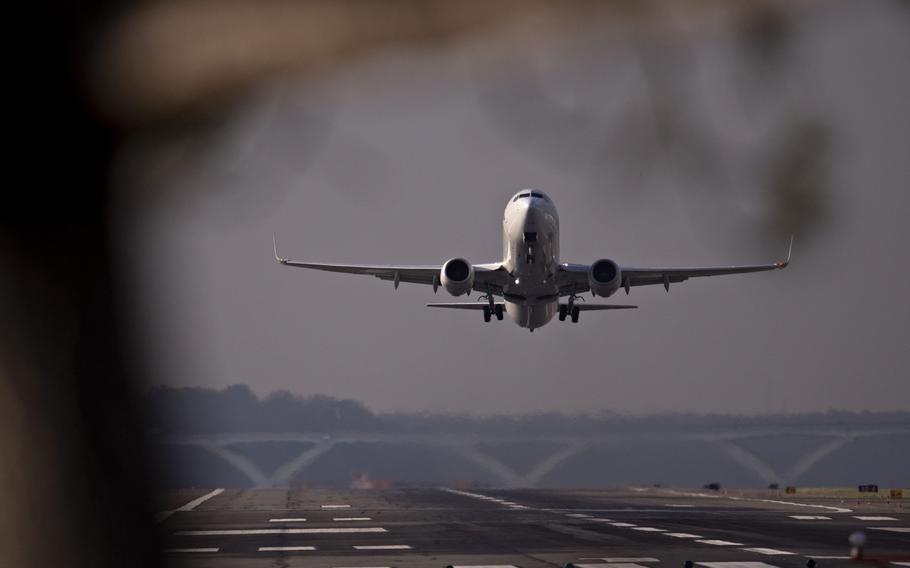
[275, 247]
[785, 263]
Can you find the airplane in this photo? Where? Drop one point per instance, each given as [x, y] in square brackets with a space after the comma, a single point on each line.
[530, 279]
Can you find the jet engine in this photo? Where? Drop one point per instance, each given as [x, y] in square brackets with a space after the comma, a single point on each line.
[604, 278]
[457, 276]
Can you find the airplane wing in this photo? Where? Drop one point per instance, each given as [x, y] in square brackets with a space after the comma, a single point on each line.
[487, 277]
[463, 305]
[574, 277]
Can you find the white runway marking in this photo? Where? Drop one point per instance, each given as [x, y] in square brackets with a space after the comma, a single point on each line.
[482, 566]
[383, 547]
[717, 542]
[810, 518]
[602, 520]
[648, 529]
[875, 518]
[336, 506]
[342, 519]
[578, 515]
[829, 557]
[890, 529]
[678, 506]
[770, 551]
[901, 563]
[235, 532]
[610, 565]
[285, 548]
[637, 559]
[288, 520]
[623, 525]
[189, 506]
[191, 549]
[736, 565]
[683, 535]
[776, 502]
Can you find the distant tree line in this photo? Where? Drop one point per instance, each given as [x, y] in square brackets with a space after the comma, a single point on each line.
[195, 410]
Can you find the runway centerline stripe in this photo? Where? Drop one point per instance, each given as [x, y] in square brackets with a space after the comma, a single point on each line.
[342, 519]
[717, 542]
[873, 518]
[770, 551]
[240, 532]
[683, 535]
[623, 524]
[189, 506]
[648, 529]
[336, 506]
[810, 517]
[383, 547]
[285, 548]
[288, 520]
[191, 549]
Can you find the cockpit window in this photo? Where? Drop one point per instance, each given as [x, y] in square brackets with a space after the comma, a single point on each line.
[536, 194]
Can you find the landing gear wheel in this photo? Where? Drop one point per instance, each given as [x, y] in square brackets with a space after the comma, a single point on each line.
[575, 312]
[562, 312]
[498, 311]
[486, 314]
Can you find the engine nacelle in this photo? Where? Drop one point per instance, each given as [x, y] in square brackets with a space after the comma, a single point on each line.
[457, 276]
[604, 278]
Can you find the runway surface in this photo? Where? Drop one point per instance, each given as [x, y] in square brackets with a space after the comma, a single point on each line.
[648, 528]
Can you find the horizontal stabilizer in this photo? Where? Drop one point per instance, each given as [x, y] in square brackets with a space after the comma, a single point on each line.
[464, 305]
[595, 307]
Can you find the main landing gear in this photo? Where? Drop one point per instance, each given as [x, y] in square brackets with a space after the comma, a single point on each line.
[570, 309]
[491, 309]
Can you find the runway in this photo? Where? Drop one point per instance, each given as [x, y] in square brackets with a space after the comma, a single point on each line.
[645, 528]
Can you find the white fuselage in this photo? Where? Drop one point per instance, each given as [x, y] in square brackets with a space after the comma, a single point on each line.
[530, 234]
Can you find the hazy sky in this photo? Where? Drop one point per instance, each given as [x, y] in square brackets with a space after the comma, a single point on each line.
[395, 160]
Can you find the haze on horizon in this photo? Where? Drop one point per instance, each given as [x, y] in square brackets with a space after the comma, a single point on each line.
[409, 157]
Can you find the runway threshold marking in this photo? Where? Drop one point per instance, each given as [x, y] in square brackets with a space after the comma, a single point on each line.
[770, 551]
[191, 550]
[383, 547]
[189, 506]
[288, 520]
[717, 542]
[237, 532]
[285, 548]
[874, 518]
[810, 517]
